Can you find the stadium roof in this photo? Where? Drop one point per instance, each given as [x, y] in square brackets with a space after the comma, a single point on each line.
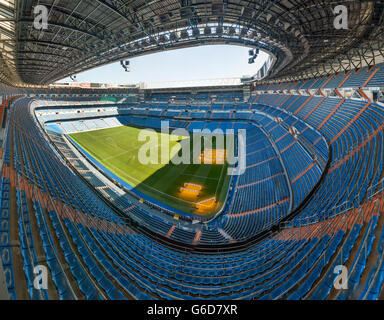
[83, 34]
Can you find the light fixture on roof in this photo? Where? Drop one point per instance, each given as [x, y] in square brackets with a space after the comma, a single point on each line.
[164, 18]
[247, 13]
[162, 38]
[173, 36]
[253, 55]
[184, 34]
[219, 30]
[244, 32]
[125, 65]
[207, 30]
[231, 31]
[196, 32]
[186, 13]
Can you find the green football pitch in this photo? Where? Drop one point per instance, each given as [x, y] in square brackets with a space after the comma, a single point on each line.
[118, 149]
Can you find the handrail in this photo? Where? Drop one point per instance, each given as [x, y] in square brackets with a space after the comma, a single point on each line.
[72, 249]
[30, 254]
[34, 187]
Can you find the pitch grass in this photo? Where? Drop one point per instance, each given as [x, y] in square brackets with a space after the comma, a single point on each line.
[117, 149]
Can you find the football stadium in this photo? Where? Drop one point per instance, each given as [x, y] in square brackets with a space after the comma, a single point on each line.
[264, 187]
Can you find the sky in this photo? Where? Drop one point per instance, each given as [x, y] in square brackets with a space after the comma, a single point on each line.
[196, 63]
